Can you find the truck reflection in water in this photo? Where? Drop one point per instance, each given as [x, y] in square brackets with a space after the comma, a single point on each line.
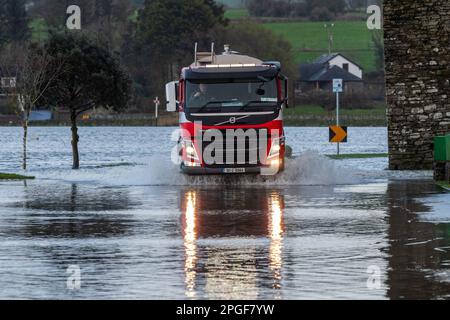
[222, 242]
[231, 271]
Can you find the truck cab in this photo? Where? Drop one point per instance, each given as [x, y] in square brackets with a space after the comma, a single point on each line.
[230, 114]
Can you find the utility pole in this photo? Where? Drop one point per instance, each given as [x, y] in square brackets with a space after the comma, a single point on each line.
[338, 88]
[157, 103]
[337, 120]
[329, 28]
[65, 16]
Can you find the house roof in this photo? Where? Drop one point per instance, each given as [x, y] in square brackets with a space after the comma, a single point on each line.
[308, 70]
[319, 72]
[325, 58]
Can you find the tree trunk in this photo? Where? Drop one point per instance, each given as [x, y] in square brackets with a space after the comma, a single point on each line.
[75, 139]
[25, 139]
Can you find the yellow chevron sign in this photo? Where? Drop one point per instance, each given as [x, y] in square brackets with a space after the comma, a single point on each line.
[338, 134]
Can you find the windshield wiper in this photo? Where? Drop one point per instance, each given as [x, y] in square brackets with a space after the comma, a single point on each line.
[210, 103]
[255, 101]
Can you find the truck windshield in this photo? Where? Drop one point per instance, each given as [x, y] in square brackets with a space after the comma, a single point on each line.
[236, 94]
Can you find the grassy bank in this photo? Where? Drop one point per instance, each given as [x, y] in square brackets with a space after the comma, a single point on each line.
[310, 40]
[358, 156]
[444, 185]
[319, 111]
[309, 115]
[305, 115]
[9, 176]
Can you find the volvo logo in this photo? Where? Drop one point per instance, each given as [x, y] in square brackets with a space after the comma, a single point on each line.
[232, 120]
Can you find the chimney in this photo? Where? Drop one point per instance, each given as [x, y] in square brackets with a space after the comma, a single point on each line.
[227, 49]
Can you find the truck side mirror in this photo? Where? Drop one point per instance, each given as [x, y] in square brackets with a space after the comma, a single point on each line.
[171, 96]
[286, 92]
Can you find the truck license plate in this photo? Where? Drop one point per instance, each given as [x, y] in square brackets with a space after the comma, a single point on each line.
[234, 170]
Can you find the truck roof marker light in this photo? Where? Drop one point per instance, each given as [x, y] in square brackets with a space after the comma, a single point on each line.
[245, 65]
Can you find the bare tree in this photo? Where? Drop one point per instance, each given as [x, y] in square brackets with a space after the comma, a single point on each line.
[31, 71]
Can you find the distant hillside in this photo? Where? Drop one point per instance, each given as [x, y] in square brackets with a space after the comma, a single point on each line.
[310, 40]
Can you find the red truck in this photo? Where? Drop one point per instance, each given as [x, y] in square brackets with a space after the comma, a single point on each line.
[230, 113]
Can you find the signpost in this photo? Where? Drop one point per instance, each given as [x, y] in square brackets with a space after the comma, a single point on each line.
[157, 103]
[337, 133]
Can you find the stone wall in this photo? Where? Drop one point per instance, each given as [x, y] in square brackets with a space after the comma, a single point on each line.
[417, 49]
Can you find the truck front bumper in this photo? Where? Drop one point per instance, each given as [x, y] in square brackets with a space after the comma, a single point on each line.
[219, 171]
[224, 171]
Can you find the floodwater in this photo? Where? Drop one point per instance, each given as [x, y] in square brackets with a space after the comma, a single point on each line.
[135, 228]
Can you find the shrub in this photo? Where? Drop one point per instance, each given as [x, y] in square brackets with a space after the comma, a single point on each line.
[276, 8]
[321, 14]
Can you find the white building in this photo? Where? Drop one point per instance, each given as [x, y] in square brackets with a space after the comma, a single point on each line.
[337, 59]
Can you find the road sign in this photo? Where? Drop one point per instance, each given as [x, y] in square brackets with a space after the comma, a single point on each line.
[337, 85]
[338, 134]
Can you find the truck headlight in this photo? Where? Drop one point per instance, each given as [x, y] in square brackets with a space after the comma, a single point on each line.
[190, 150]
[275, 148]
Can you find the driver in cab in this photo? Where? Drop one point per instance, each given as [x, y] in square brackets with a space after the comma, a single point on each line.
[201, 97]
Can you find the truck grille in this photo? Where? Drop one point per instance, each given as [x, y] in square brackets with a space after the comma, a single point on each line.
[245, 154]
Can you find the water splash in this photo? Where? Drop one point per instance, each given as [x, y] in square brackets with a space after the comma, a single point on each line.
[308, 169]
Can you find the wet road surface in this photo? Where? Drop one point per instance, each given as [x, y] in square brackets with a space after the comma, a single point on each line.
[136, 229]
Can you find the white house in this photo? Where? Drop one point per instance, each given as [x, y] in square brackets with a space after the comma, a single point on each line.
[319, 74]
[337, 59]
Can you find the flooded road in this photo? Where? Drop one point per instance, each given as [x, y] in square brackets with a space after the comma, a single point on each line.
[136, 229]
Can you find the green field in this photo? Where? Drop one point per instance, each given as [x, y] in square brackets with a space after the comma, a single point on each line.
[310, 40]
[235, 14]
[39, 29]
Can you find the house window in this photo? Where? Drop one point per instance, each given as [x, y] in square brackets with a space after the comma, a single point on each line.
[345, 66]
[8, 82]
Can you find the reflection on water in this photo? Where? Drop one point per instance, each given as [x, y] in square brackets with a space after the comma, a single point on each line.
[74, 198]
[364, 226]
[221, 242]
[190, 238]
[72, 211]
[144, 232]
[231, 273]
[419, 250]
[275, 231]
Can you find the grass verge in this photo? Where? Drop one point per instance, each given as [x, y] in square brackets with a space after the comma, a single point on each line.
[444, 184]
[316, 110]
[358, 156]
[9, 176]
[311, 115]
